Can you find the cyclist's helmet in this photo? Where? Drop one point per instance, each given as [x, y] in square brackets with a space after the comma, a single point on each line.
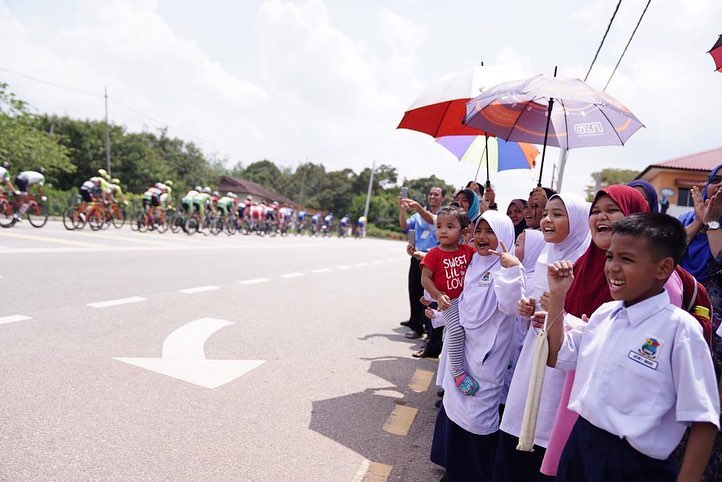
[215, 193]
[198, 188]
[115, 180]
[207, 190]
[6, 164]
[168, 183]
[41, 170]
[249, 198]
[103, 173]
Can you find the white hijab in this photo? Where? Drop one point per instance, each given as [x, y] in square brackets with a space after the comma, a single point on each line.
[478, 299]
[573, 246]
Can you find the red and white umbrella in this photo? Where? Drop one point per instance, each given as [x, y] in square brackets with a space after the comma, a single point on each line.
[440, 109]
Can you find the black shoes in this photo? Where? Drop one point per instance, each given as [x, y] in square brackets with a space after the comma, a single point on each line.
[412, 335]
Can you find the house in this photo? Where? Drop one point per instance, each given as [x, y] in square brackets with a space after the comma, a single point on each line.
[675, 177]
[258, 193]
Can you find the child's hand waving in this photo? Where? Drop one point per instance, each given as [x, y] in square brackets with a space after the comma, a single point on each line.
[505, 257]
[444, 301]
[561, 275]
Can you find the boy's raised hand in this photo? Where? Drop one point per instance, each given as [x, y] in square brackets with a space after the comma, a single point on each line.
[506, 259]
[560, 275]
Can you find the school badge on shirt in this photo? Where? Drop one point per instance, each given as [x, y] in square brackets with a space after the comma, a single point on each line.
[485, 280]
[647, 354]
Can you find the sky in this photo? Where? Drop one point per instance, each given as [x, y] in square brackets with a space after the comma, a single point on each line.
[328, 81]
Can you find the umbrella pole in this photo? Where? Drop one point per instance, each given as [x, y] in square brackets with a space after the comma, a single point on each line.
[481, 159]
[546, 135]
[486, 152]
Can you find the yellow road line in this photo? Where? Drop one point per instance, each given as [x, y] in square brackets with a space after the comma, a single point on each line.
[50, 240]
[400, 420]
[421, 380]
[377, 472]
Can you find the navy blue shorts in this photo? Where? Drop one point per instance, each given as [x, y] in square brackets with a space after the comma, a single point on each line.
[512, 465]
[595, 455]
[464, 455]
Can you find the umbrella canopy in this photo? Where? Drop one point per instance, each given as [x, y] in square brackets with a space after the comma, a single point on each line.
[556, 111]
[581, 116]
[716, 53]
[502, 155]
[441, 107]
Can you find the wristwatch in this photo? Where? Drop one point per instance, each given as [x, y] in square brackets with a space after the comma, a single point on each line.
[712, 225]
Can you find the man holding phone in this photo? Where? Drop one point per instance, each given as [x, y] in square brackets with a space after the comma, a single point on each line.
[421, 225]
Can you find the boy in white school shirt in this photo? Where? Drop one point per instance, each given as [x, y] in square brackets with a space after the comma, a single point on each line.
[644, 371]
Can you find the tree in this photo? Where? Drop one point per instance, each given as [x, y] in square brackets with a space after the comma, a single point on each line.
[25, 143]
[608, 177]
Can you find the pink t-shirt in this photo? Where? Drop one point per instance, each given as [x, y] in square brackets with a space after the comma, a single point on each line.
[448, 268]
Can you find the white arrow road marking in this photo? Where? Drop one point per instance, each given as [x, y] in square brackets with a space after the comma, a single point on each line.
[363, 263]
[343, 266]
[183, 356]
[292, 275]
[13, 318]
[321, 270]
[199, 289]
[121, 301]
[253, 281]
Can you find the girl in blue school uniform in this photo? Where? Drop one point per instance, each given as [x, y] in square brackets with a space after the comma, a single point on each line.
[644, 372]
[465, 435]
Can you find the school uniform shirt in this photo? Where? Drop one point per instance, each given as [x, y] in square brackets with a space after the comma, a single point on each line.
[486, 348]
[644, 372]
[425, 233]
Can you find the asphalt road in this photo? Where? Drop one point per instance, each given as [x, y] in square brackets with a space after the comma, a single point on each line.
[111, 342]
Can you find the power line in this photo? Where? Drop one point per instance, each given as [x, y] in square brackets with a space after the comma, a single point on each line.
[627, 46]
[603, 38]
[158, 121]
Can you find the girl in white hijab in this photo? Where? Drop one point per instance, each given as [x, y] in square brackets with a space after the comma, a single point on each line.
[467, 426]
[565, 229]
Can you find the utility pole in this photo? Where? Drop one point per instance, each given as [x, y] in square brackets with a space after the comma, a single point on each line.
[368, 194]
[107, 135]
[303, 182]
[563, 153]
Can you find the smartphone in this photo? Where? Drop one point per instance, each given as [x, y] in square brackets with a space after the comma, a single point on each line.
[404, 193]
[412, 237]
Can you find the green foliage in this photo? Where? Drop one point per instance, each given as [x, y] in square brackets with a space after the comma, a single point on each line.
[608, 177]
[72, 150]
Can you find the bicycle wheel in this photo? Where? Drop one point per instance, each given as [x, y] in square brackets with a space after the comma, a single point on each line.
[6, 214]
[161, 224]
[192, 224]
[118, 217]
[176, 222]
[38, 214]
[230, 226]
[96, 220]
[68, 220]
[136, 221]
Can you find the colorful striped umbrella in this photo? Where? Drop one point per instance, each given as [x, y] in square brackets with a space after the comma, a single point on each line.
[500, 154]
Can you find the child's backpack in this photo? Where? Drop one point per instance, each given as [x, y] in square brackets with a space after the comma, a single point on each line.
[695, 300]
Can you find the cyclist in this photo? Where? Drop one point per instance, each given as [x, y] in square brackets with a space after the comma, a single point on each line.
[5, 174]
[315, 220]
[227, 204]
[300, 221]
[343, 226]
[151, 200]
[361, 227]
[215, 196]
[285, 217]
[165, 187]
[115, 192]
[327, 221]
[187, 200]
[201, 202]
[23, 181]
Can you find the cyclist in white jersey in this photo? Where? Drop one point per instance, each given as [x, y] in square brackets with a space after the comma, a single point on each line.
[5, 174]
[23, 181]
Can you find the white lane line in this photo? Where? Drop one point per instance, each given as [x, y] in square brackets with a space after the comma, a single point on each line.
[321, 270]
[13, 318]
[199, 289]
[292, 275]
[343, 266]
[254, 281]
[121, 301]
[363, 263]
[378, 261]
